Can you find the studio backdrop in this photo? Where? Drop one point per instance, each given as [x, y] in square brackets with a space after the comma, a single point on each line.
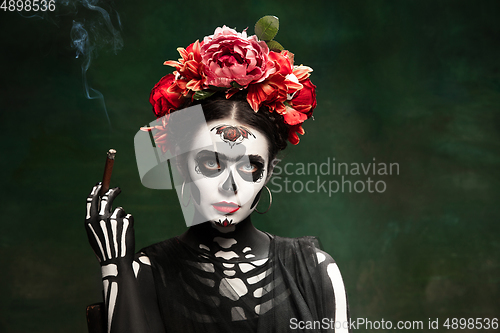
[397, 174]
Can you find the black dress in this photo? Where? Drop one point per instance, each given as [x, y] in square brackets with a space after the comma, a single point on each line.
[199, 292]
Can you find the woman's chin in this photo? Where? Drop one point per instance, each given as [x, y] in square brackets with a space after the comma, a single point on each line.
[224, 226]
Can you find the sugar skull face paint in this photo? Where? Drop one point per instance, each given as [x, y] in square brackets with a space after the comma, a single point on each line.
[229, 175]
[232, 135]
[211, 164]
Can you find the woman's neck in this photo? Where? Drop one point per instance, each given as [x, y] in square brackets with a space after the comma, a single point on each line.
[244, 241]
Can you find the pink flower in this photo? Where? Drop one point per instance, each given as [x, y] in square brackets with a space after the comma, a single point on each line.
[229, 56]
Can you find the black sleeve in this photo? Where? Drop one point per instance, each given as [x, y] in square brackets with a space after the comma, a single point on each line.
[147, 293]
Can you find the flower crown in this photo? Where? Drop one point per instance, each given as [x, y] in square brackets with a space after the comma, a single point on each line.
[228, 62]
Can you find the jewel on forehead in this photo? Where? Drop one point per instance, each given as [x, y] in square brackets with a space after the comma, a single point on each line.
[232, 135]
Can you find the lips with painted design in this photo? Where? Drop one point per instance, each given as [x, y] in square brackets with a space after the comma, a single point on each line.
[226, 207]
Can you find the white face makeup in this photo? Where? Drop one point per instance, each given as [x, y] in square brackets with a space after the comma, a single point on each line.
[230, 174]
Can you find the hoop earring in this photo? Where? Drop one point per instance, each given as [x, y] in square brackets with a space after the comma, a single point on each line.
[182, 196]
[270, 201]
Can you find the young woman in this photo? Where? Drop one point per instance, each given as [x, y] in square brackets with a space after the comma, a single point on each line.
[222, 274]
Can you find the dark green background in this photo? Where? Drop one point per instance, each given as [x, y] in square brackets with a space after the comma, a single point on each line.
[409, 82]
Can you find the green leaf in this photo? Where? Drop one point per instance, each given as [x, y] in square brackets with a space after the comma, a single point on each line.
[235, 84]
[267, 27]
[202, 94]
[275, 46]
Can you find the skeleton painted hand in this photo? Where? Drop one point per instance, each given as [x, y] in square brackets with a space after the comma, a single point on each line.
[111, 235]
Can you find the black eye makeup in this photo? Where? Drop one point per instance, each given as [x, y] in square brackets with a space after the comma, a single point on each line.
[252, 169]
[211, 164]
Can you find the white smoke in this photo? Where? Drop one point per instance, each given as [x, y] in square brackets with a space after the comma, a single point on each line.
[93, 29]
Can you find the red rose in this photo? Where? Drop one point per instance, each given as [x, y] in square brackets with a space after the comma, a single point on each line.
[304, 100]
[166, 96]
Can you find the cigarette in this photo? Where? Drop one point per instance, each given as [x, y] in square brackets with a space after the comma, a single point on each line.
[108, 169]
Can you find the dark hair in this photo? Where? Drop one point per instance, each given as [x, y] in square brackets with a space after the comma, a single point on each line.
[216, 107]
[271, 124]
